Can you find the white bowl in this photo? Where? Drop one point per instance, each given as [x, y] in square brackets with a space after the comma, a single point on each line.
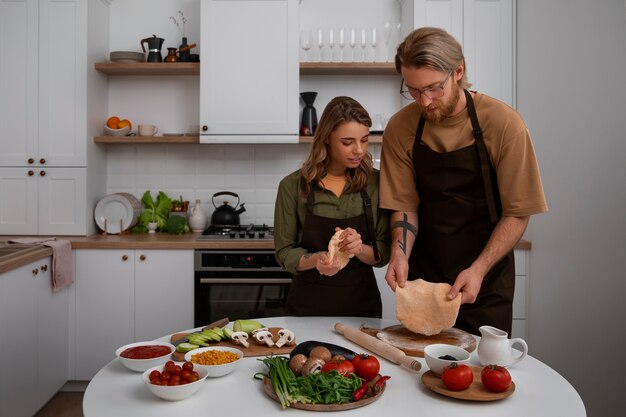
[140, 365]
[216, 370]
[434, 351]
[174, 392]
[117, 132]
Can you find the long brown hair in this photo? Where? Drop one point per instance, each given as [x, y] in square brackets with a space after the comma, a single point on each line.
[339, 110]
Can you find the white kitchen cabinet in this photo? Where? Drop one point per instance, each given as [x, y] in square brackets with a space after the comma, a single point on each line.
[44, 200]
[519, 301]
[163, 292]
[46, 106]
[249, 74]
[128, 295]
[33, 322]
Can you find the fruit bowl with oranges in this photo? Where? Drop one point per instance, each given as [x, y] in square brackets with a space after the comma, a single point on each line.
[117, 127]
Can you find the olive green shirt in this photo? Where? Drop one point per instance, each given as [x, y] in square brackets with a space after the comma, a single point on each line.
[291, 209]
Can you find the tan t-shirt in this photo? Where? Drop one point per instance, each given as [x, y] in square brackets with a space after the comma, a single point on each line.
[507, 140]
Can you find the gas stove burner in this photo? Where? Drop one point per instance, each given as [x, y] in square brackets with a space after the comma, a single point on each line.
[250, 231]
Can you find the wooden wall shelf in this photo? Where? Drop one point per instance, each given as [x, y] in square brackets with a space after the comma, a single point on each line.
[135, 140]
[193, 68]
[149, 68]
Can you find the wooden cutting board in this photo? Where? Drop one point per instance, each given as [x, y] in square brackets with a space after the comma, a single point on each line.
[254, 349]
[413, 344]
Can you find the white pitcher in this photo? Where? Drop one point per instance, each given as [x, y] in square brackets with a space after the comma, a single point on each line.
[197, 218]
[495, 348]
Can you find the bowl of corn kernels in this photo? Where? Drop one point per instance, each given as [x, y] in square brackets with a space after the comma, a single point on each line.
[217, 360]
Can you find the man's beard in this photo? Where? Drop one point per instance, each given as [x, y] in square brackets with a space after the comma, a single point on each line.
[443, 109]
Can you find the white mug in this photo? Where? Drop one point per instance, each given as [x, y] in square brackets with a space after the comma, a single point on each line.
[147, 130]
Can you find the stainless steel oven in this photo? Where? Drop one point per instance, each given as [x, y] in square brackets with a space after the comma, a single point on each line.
[238, 283]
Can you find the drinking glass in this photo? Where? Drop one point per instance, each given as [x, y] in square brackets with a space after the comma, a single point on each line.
[306, 42]
[363, 43]
[352, 43]
[342, 43]
[331, 42]
[387, 30]
[374, 43]
[320, 44]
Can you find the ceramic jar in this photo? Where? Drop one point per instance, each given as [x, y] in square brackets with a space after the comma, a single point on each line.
[197, 218]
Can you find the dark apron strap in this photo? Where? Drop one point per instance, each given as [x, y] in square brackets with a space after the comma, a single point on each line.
[369, 221]
[477, 132]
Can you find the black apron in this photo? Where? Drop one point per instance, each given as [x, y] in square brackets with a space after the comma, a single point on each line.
[459, 208]
[353, 290]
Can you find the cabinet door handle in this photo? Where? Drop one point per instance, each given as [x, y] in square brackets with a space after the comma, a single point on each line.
[30, 172]
[44, 268]
[42, 161]
[31, 161]
[42, 173]
[142, 257]
[35, 271]
[124, 258]
[205, 128]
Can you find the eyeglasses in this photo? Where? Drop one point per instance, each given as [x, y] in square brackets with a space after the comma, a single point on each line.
[430, 92]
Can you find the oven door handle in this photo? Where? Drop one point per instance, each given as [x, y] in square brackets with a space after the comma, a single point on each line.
[245, 280]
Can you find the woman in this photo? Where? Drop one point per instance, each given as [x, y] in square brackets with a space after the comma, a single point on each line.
[337, 187]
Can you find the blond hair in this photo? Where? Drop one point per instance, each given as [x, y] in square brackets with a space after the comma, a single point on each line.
[338, 111]
[433, 48]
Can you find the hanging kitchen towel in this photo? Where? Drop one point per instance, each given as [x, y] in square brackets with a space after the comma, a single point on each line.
[62, 265]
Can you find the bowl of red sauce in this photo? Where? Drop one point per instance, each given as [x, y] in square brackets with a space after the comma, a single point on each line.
[140, 356]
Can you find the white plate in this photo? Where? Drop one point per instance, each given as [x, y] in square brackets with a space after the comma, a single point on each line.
[119, 211]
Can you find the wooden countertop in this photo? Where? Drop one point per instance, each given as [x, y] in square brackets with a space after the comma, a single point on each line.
[147, 241]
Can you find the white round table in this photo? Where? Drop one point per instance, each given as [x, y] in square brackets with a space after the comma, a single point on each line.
[540, 391]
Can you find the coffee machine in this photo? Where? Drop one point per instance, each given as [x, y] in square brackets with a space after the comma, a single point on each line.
[154, 48]
[309, 115]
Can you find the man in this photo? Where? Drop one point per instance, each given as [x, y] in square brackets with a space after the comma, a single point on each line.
[459, 172]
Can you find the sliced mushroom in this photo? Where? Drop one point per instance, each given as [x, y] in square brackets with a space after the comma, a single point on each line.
[312, 365]
[241, 338]
[285, 337]
[297, 362]
[264, 336]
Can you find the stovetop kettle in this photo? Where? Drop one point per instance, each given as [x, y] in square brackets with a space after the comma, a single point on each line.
[154, 48]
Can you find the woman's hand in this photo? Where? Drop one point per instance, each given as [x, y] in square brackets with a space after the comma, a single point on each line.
[350, 241]
[325, 266]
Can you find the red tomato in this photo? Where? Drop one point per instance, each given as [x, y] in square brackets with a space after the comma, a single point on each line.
[366, 366]
[495, 378]
[154, 375]
[344, 367]
[187, 366]
[457, 377]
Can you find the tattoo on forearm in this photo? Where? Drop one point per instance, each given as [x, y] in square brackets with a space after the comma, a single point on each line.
[406, 227]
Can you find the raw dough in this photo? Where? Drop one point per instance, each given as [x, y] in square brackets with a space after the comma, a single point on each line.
[423, 307]
[334, 254]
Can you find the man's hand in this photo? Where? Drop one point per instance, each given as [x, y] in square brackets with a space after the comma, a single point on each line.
[468, 283]
[397, 273]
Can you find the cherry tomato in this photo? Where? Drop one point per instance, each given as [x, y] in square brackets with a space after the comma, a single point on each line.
[344, 367]
[457, 377]
[185, 375]
[176, 370]
[187, 366]
[154, 375]
[495, 378]
[168, 365]
[166, 375]
[366, 366]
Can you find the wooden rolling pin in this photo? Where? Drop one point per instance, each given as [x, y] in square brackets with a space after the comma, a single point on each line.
[379, 347]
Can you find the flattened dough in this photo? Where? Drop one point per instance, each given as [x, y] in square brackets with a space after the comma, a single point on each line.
[335, 254]
[423, 307]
